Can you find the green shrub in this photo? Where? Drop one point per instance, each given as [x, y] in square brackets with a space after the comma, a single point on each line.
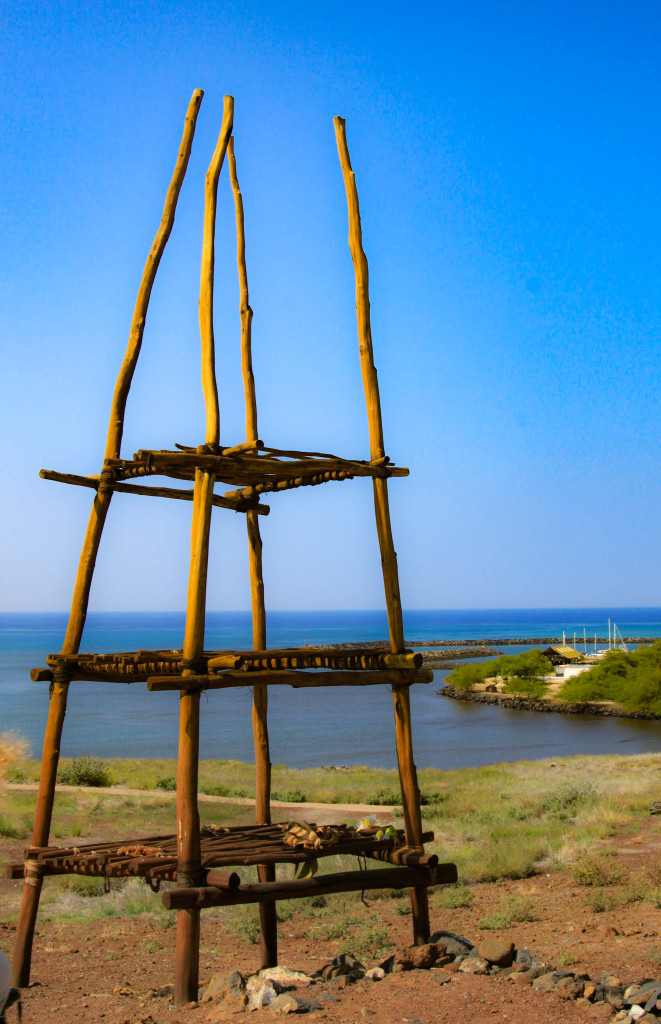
[594, 871]
[289, 796]
[563, 803]
[85, 771]
[529, 687]
[385, 798]
[465, 677]
[601, 901]
[167, 782]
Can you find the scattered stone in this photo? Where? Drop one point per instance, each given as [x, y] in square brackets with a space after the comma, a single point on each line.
[453, 968]
[649, 1018]
[569, 988]
[419, 958]
[284, 978]
[522, 978]
[440, 976]
[260, 992]
[375, 974]
[589, 990]
[656, 807]
[545, 982]
[636, 1012]
[474, 965]
[524, 956]
[610, 980]
[644, 995]
[326, 997]
[164, 992]
[343, 965]
[497, 951]
[584, 1003]
[285, 1003]
[228, 991]
[600, 1011]
[366, 1012]
[455, 944]
[614, 997]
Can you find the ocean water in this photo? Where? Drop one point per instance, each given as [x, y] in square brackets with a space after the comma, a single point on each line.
[309, 727]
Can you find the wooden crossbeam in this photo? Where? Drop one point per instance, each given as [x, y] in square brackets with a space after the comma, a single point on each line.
[235, 504]
[297, 888]
[297, 679]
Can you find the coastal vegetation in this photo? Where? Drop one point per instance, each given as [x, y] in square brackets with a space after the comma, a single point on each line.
[629, 678]
[494, 822]
[523, 673]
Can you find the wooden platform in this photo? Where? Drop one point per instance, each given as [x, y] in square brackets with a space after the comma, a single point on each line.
[296, 666]
[154, 858]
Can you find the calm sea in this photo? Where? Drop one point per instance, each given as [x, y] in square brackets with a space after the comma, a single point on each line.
[309, 727]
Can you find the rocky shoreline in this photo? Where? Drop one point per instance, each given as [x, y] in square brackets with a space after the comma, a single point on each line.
[519, 703]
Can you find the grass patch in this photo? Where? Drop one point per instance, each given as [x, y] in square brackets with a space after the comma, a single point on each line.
[510, 910]
[452, 897]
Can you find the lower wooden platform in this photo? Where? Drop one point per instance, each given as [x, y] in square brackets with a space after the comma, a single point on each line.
[155, 857]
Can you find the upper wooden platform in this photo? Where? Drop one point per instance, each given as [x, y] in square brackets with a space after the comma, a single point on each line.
[251, 467]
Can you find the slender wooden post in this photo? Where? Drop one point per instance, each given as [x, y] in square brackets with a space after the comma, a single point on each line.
[406, 764]
[81, 592]
[266, 872]
[209, 384]
[189, 873]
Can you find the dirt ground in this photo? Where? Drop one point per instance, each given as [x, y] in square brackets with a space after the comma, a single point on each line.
[106, 970]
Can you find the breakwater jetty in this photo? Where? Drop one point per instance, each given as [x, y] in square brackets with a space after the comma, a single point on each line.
[515, 702]
[532, 641]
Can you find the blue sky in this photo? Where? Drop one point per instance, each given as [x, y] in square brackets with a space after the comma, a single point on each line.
[507, 164]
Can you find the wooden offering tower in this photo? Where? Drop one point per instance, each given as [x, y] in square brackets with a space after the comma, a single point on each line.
[198, 859]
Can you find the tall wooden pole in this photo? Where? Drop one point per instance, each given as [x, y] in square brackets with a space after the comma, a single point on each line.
[267, 910]
[81, 592]
[406, 764]
[189, 872]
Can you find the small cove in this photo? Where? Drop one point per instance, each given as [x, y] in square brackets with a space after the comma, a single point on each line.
[307, 727]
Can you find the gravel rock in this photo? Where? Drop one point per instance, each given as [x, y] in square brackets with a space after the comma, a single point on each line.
[522, 978]
[455, 944]
[284, 978]
[569, 988]
[375, 974]
[474, 965]
[287, 1003]
[343, 965]
[260, 992]
[497, 951]
[545, 982]
[228, 991]
[413, 958]
[601, 1011]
